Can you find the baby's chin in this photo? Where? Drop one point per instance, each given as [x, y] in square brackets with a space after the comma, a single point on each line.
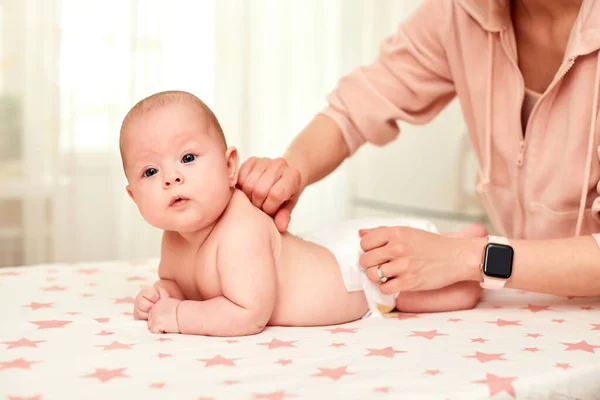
[188, 226]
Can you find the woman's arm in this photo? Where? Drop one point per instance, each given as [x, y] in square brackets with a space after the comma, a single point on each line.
[416, 260]
[565, 267]
[318, 150]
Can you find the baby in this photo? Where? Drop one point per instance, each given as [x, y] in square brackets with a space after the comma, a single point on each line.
[225, 270]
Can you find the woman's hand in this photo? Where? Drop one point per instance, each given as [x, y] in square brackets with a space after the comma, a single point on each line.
[415, 260]
[273, 186]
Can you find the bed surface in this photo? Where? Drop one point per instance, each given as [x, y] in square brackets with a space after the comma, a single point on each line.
[66, 331]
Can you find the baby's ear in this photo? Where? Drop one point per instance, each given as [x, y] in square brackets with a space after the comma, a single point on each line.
[232, 159]
[129, 192]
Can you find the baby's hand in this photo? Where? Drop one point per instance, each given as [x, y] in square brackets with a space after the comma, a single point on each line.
[144, 302]
[162, 317]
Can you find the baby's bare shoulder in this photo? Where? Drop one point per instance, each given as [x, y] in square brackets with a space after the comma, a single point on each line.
[243, 224]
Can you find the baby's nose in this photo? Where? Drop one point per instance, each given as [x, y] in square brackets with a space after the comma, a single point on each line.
[168, 182]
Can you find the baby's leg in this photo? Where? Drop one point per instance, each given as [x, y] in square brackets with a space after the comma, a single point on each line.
[459, 296]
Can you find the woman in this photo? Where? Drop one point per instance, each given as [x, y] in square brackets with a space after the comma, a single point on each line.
[527, 75]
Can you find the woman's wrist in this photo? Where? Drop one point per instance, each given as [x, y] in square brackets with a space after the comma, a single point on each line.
[471, 251]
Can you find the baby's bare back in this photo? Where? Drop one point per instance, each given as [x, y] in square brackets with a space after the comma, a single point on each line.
[310, 289]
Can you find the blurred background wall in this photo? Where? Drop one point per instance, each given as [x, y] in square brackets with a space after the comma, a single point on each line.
[71, 69]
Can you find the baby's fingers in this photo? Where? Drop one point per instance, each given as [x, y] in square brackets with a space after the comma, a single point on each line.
[150, 294]
[144, 305]
[139, 314]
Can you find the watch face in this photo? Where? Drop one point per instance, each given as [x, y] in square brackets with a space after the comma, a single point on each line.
[498, 261]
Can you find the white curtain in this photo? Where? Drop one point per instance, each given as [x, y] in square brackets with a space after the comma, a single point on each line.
[70, 70]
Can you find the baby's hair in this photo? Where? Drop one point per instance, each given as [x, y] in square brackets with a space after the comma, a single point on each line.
[167, 98]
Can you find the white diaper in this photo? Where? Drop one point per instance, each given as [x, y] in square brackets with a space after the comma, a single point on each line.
[343, 241]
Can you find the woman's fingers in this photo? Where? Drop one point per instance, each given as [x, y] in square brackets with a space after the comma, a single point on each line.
[373, 238]
[265, 184]
[286, 188]
[390, 270]
[377, 256]
[251, 179]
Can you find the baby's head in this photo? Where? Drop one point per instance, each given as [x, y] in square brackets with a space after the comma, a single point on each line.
[180, 172]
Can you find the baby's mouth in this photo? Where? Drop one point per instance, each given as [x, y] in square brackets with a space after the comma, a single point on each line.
[179, 200]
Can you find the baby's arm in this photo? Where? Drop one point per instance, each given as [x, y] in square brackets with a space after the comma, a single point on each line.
[246, 267]
[170, 287]
[459, 296]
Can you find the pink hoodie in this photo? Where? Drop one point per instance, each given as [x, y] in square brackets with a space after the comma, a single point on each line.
[545, 184]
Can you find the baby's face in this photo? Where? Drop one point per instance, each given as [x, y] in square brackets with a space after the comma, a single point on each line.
[180, 174]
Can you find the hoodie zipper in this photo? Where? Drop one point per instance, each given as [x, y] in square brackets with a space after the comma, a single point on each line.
[523, 140]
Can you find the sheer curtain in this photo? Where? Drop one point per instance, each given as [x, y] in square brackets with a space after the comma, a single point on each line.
[70, 70]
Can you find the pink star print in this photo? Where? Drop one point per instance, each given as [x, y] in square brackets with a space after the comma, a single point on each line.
[163, 339]
[230, 341]
[560, 321]
[50, 324]
[51, 279]
[10, 273]
[102, 320]
[336, 345]
[220, 360]
[230, 382]
[158, 385]
[333, 373]
[84, 295]
[596, 327]
[583, 345]
[125, 300]
[478, 340]
[54, 288]
[279, 395]
[389, 352]
[136, 278]
[531, 349]
[105, 375]
[89, 271]
[533, 308]
[164, 355]
[38, 397]
[383, 389]
[403, 316]
[534, 335]
[427, 334]
[104, 333]
[73, 313]
[564, 366]
[116, 346]
[275, 343]
[23, 342]
[284, 362]
[432, 372]
[36, 306]
[502, 322]
[485, 357]
[454, 320]
[499, 384]
[17, 363]
[342, 330]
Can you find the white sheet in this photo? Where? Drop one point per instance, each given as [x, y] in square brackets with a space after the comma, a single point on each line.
[67, 333]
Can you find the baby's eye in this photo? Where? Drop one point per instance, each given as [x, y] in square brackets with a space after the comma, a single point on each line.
[150, 171]
[188, 158]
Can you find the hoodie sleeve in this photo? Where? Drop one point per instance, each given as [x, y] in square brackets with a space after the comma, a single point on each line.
[409, 81]
[596, 204]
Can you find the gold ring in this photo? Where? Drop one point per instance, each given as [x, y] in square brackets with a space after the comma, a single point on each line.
[382, 278]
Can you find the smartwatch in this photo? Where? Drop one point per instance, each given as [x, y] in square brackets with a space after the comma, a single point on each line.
[497, 261]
